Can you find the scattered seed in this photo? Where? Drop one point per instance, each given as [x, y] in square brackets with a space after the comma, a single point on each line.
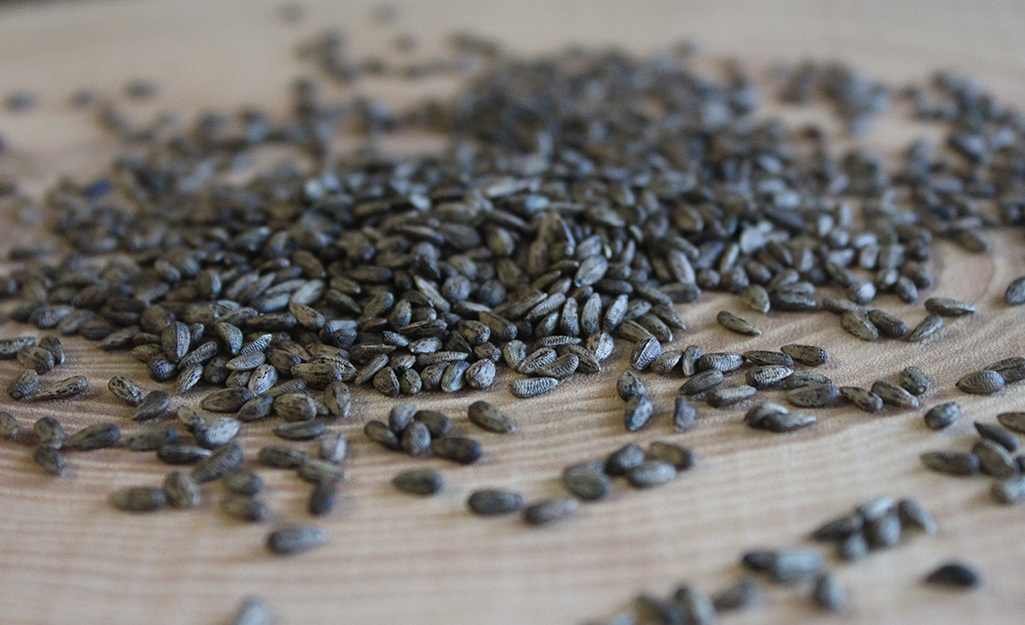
[532, 387]
[651, 473]
[998, 435]
[493, 502]
[24, 385]
[50, 432]
[416, 439]
[684, 413]
[946, 307]
[794, 565]
[815, 396]
[701, 382]
[98, 436]
[740, 595]
[51, 459]
[894, 395]
[488, 417]
[549, 510]
[424, 482]
[951, 462]
[859, 326]
[926, 328]
[994, 459]
[954, 575]
[637, 412]
[912, 514]
[587, 481]
[630, 385]
[252, 611]
[942, 415]
[829, 593]
[138, 499]
[983, 382]
[914, 381]
[733, 323]
[180, 490]
[457, 449]
[294, 539]
[300, 430]
[1013, 421]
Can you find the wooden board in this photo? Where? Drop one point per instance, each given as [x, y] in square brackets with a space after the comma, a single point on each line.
[67, 558]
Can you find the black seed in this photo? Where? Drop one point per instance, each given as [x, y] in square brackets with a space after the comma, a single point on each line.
[300, 430]
[914, 381]
[998, 435]
[424, 482]
[864, 400]
[181, 454]
[1013, 421]
[887, 324]
[767, 376]
[947, 307]
[733, 323]
[794, 565]
[549, 510]
[839, 529]
[810, 355]
[282, 457]
[763, 358]
[814, 396]
[829, 593]
[651, 473]
[220, 462]
[859, 326]
[295, 539]
[492, 502]
[637, 412]
[700, 382]
[926, 328]
[416, 440]
[98, 436]
[683, 414]
[740, 595]
[437, 423]
[180, 490]
[1011, 369]
[456, 449]
[894, 395]
[951, 462]
[913, 515]
[942, 415]
[983, 382]
[954, 575]
[624, 459]
[138, 499]
[488, 417]
[587, 481]
[50, 432]
[630, 385]
[51, 459]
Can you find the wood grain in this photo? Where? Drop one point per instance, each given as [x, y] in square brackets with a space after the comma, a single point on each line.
[66, 557]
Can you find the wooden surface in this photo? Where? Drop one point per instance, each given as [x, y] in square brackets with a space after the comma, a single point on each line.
[67, 558]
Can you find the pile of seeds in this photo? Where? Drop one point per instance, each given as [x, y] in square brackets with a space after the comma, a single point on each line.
[581, 200]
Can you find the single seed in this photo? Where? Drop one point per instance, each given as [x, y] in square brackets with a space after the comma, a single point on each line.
[756, 416]
[700, 382]
[684, 413]
[300, 430]
[864, 400]
[946, 307]
[829, 593]
[789, 422]
[887, 324]
[1010, 490]
[691, 355]
[756, 297]
[667, 362]
[740, 595]
[252, 611]
[181, 454]
[810, 355]
[994, 460]
[24, 385]
[767, 376]
[727, 396]
[630, 385]
[493, 502]
[839, 529]
[926, 328]
[998, 435]
[645, 352]
[9, 427]
[1011, 369]
[532, 387]
[282, 457]
[722, 361]
[437, 423]
[316, 471]
[457, 449]
[322, 498]
[1013, 421]
[425, 482]
[912, 514]
[764, 358]
[795, 565]
[680, 457]
[637, 412]
[98, 436]
[587, 481]
[859, 326]
[914, 381]
[227, 400]
[50, 432]
[951, 462]
[295, 539]
[894, 395]
[983, 382]
[942, 415]
[333, 447]
[68, 387]
[416, 439]
[815, 396]
[733, 323]
[488, 417]
[623, 459]
[216, 432]
[51, 459]
[150, 438]
[548, 511]
[651, 473]
[954, 575]
[138, 499]
[219, 463]
[180, 490]
[245, 508]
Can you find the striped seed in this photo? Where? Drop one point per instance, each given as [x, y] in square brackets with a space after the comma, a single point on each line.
[36, 358]
[946, 307]
[998, 435]
[481, 374]
[701, 382]
[994, 460]
[188, 377]
[755, 416]
[926, 328]
[294, 539]
[138, 499]
[300, 430]
[722, 397]
[644, 353]
[733, 323]
[587, 481]
[637, 412]
[549, 511]
[316, 471]
[942, 415]
[490, 418]
[859, 326]
[215, 466]
[180, 490]
[1015, 293]
[283, 457]
[493, 502]
[256, 409]
[894, 395]
[767, 376]
[1014, 421]
[954, 575]
[245, 508]
[296, 407]
[814, 396]
[781, 423]
[150, 438]
[756, 297]
[181, 454]
[888, 325]
[424, 482]
[227, 399]
[951, 462]
[667, 362]
[722, 361]
[684, 413]
[1011, 369]
[914, 380]
[153, 405]
[562, 367]
[457, 449]
[764, 358]
[53, 345]
[810, 355]
[175, 340]
[216, 432]
[864, 400]
[98, 436]
[983, 382]
[691, 355]
[338, 399]
[532, 387]
[9, 348]
[24, 385]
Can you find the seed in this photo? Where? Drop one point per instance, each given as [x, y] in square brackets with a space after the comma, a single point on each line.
[645, 352]
[651, 473]
[180, 490]
[656, 610]
[1011, 369]
[1015, 294]
[738, 596]
[926, 328]
[829, 593]
[942, 415]
[859, 326]
[550, 510]
[914, 380]
[795, 565]
[9, 348]
[684, 413]
[691, 355]
[282, 457]
[756, 297]
[951, 462]
[767, 376]
[437, 423]
[983, 382]
[914, 515]
[424, 482]
[416, 439]
[245, 508]
[256, 409]
[697, 606]
[954, 575]
[220, 462]
[227, 400]
[701, 382]
[587, 481]
[637, 412]
[667, 362]
[51, 459]
[724, 362]
[531, 387]
[322, 498]
[300, 430]
[946, 307]
[756, 416]
[50, 432]
[862, 399]
[252, 611]
[727, 396]
[333, 447]
[630, 385]
[181, 454]
[9, 427]
[1013, 421]
[839, 529]
[624, 459]
[492, 502]
[53, 345]
[293, 539]
[488, 417]
[24, 385]
[1010, 491]
[854, 547]
[876, 508]
[98, 436]
[537, 359]
[562, 367]
[153, 405]
[994, 459]
[175, 340]
[680, 457]
[887, 324]
[763, 358]
[316, 471]
[481, 374]
[150, 438]
[457, 449]
[883, 532]
[733, 323]
[36, 358]
[894, 395]
[998, 435]
[338, 399]
[138, 499]
[216, 432]
[810, 355]
[242, 481]
[815, 396]
[788, 422]
[296, 407]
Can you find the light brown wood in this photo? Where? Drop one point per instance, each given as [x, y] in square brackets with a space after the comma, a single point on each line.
[67, 558]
